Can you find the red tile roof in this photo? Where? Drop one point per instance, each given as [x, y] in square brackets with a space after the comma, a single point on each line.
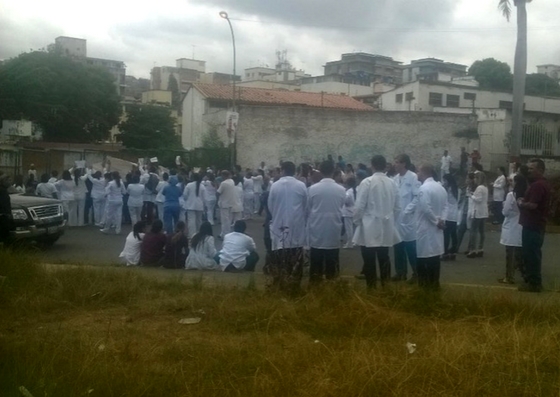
[261, 96]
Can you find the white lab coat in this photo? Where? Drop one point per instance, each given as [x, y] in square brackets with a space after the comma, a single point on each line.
[324, 220]
[479, 200]
[228, 194]
[131, 250]
[429, 209]
[236, 249]
[499, 190]
[97, 187]
[192, 201]
[47, 190]
[375, 213]
[452, 208]
[203, 257]
[349, 202]
[238, 203]
[408, 185]
[287, 202]
[135, 195]
[257, 184]
[511, 229]
[446, 164]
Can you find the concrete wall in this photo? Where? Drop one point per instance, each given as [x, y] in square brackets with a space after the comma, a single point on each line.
[335, 87]
[274, 134]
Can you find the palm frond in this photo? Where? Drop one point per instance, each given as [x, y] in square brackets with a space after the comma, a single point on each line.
[505, 7]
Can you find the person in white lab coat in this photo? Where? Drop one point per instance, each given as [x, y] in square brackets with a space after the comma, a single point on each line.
[324, 225]
[135, 199]
[450, 231]
[348, 211]
[446, 161]
[160, 198]
[258, 181]
[202, 255]
[114, 191]
[80, 190]
[54, 177]
[408, 185]
[479, 215]
[237, 209]
[499, 189]
[375, 213]
[228, 197]
[132, 246]
[248, 196]
[210, 198]
[194, 203]
[512, 231]
[150, 181]
[98, 184]
[239, 251]
[430, 212]
[287, 203]
[65, 188]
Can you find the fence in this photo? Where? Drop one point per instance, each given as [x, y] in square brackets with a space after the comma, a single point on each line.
[537, 140]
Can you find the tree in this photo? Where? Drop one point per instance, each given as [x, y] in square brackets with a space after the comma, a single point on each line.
[175, 94]
[541, 85]
[492, 74]
[212, 139]
[71, 101]
[519, 70]
[149, 127]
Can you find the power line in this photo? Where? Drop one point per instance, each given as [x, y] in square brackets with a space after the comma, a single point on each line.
[389, 29]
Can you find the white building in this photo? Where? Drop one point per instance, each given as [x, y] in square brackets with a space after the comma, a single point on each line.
[552, 71]
[432, 69]
[71, 46]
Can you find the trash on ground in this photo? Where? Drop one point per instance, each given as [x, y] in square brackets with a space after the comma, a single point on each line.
[411, 347]
[193, 320]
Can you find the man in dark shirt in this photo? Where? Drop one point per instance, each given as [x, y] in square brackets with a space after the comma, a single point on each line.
[533, 211]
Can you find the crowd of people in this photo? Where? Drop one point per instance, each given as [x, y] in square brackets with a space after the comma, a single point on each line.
[311, 212]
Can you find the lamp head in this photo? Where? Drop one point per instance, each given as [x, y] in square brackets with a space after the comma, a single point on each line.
[224, 14]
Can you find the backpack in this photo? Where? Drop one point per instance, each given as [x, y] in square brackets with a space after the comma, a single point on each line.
[152, 183]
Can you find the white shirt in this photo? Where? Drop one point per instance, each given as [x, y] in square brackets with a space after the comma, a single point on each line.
[114, 193]
[203, 257]
[53, 180]
[248, 186]
[257, 184]
[511, 229]
[324, 220]
[479, 200]
[446, 163]
[376, 210]
[452, 208]
[499, 190]
[287, 202]
[148, 194]
[236, 248]
[408, 185]
[210, 191]
[192, 201]
[66, 189]
[428, 210]
[160, 198]
[348, 208]
[228, 194]
[97, 187]
[238, 205]
[80, 189]
[131, 250]
[46, 190]
[135, 195]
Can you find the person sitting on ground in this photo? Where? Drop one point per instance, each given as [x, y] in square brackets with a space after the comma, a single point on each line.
[133, 243]
[239, 250]
[176, 248]
[153, 244]
[46, 189]
[202, 254]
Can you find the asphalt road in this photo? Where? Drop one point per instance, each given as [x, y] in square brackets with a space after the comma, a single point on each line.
[87, 246]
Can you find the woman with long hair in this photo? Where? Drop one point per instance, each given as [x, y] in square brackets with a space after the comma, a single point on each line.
[499, 189]
[18, 185]
[135, 198]
[176, 248]
[115, 191]
[210, 197]
[65, 187]
[80, 191]
[133, 243]
[98, 185]
[348, 211]
[479, 215]
[194, 203]
[202, 254]
[450, 231]
[512, 230]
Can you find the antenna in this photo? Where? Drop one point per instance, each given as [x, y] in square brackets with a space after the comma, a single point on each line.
[193, 47]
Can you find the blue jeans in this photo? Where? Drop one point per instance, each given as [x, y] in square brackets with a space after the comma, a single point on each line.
[170, 217]
[404, 250]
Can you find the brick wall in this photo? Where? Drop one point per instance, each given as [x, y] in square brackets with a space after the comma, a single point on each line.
[300, 135]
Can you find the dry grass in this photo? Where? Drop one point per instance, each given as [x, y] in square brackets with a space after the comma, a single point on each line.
[79, 332]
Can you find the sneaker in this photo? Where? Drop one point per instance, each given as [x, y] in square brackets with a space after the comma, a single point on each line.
[480, 254]
[472, 254]
[505, 281]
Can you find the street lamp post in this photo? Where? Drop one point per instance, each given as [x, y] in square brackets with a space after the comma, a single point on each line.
[225, 16]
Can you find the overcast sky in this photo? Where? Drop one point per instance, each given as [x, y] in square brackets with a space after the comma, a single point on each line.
[144, 34]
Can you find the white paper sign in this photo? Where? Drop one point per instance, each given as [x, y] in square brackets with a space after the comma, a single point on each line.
[153, 160]
[80, 163]
[140, 162]
[178, 160]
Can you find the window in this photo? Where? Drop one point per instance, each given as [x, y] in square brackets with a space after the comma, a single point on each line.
[398, 98]
[470, 96]
[506, 105]
[409, 96]
[452, 101]
[436, 99]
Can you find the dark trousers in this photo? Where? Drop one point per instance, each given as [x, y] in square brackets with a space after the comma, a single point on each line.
[428, 272]
[125, 213]
[372, 255]
[323, 262]
[286, 268]
[404, 250]
[532, 241]
[148, 212]
[450, 236]
[250, 264]
[514, 260]
[497, 207]
[88, 208]
[477, 228]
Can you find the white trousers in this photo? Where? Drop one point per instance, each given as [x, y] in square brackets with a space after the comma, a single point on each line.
[348, 231]
[80, 211]
[135, 214]
[236, 216]
[70, 208]
[98, 210]
[225, 218]
[159, 210]
[248, 205]
[256, 202]
[194, 220]
[114, 216]
[210, 208]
